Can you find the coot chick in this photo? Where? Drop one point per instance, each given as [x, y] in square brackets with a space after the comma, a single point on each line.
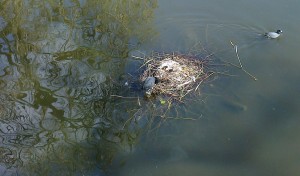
[149, 83]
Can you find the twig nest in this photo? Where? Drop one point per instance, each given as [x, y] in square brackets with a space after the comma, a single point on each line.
[177, 74]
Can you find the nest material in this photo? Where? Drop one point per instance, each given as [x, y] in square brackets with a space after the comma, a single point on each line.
[177, 74]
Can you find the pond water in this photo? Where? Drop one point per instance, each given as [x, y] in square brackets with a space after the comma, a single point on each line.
[65, 108]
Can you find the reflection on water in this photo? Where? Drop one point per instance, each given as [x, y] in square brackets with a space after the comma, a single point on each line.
[60, 62]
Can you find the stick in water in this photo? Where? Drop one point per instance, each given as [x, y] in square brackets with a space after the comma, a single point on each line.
[241, 66]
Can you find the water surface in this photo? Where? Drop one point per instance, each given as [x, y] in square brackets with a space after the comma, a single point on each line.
[62, 65]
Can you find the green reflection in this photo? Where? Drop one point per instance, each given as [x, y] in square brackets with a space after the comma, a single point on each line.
[91, 27]
[59, 64]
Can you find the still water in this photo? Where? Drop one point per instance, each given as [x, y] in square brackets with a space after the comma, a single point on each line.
[63, 69]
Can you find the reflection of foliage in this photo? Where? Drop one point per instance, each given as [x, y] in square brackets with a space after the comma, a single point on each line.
[106, 25]
[62, 116]
[123, 17]
[57, 74]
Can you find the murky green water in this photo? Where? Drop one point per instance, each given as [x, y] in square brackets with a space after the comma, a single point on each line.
[64, 64]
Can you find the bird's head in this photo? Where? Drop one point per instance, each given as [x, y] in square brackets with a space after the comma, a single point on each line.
[279, 31]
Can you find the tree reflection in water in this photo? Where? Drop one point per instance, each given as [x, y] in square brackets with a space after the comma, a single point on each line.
[58, 64]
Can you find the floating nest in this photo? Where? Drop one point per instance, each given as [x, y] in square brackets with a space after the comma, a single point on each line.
[176, 74]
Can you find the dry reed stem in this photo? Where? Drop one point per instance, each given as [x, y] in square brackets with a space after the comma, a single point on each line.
[241, 66]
